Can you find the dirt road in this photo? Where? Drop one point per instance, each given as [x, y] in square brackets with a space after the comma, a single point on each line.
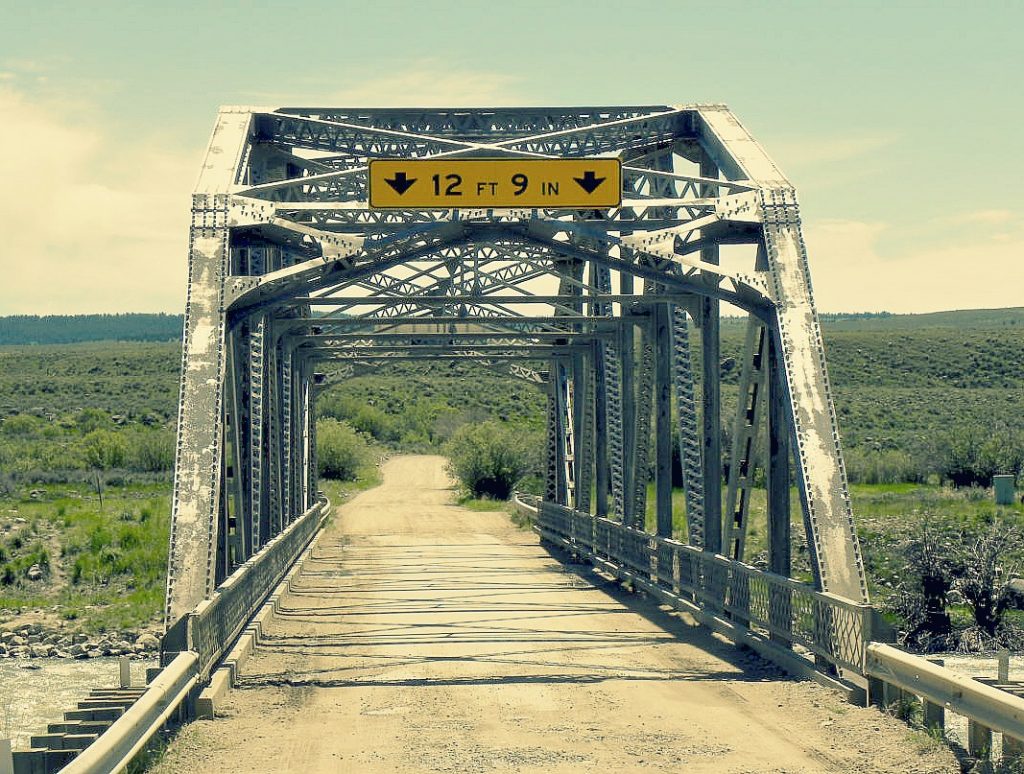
[423, 637]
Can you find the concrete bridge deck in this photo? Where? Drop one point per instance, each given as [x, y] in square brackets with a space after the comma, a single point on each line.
[426, 637]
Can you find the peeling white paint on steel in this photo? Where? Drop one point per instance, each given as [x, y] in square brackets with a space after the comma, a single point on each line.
[736, 152]
[224, 153]
[831, 527]
[817, 451]
[197, 467]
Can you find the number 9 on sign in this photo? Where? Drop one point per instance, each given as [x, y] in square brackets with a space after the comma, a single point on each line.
[520, 181]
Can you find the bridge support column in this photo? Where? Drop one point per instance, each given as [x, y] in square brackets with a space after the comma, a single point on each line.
[627, 364]
[779, 547]
[663, 417]
[711, 389]
[601, 477]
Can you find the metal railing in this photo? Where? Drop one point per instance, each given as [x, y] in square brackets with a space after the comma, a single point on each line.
[834, 634]
[830, 630]
[196, 643]
[216, 622]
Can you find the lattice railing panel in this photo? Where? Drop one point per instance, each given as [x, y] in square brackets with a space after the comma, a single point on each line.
[824, 625]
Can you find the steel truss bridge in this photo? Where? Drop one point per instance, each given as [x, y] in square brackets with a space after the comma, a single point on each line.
[605, 310]
[289, 268]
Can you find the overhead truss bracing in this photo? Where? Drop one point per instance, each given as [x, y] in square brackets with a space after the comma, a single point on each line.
[613, 313]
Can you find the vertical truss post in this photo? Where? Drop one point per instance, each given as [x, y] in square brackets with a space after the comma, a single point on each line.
[779, 546]
[305, 453]
[689, 439]
[314, 469]
[257, 421]
[236, 427]
[551, 476]
[583, 391]
[600, 454]
[600, 281]
[274, 467]
[287, 398]
[711, 388]
[832, 537]
[744, 458]
[663, 418]
[628, 400]
[642, 414]
[566, 437]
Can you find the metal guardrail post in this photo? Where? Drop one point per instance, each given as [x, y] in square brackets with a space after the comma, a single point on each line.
[933, 715]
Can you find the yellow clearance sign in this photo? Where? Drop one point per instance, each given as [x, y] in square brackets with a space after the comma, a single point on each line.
[431, 184]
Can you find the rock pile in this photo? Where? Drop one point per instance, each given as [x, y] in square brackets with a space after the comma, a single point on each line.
[33, 640]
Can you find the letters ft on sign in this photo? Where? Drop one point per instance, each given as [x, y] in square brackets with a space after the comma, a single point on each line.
[580, 183]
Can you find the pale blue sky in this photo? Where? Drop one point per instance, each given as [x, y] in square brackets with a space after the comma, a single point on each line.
[898, 122]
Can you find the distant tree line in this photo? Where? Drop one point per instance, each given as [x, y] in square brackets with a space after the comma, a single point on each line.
[68, 329]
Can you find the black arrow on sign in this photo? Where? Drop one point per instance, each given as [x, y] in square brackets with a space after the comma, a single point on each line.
[589, 182]
[401, 183]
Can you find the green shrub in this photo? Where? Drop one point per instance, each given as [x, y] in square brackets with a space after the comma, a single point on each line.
[105, 449]
[489, 458]
[151, 451]
[340, 450]
[884, 466]
[971, 455]
[22, 426]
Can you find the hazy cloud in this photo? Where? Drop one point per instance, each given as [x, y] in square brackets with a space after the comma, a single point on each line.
[426, 83]
[824, 150]
[849, 274]
[89, 223]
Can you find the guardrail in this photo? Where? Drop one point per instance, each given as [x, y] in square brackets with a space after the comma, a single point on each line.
[130, 733]
[195, 644]
[939, 690]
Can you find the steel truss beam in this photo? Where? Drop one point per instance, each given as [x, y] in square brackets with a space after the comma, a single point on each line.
[281, 226]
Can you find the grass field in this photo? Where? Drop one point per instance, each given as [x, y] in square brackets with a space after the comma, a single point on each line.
[75, 413]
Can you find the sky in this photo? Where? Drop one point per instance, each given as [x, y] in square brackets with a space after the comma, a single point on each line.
[898, 122]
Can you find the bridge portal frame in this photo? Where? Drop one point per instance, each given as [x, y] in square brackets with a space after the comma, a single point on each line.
[281, 226]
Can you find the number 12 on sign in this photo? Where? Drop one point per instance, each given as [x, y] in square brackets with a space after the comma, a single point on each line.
[495, 183]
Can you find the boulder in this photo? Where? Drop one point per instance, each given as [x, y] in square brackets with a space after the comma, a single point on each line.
[35, 573]
[147, 641]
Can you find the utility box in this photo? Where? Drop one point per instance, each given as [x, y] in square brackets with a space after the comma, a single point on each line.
[1003, 484]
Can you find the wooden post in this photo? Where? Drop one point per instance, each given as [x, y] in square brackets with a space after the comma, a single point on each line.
[125, 667]
[876, 692]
